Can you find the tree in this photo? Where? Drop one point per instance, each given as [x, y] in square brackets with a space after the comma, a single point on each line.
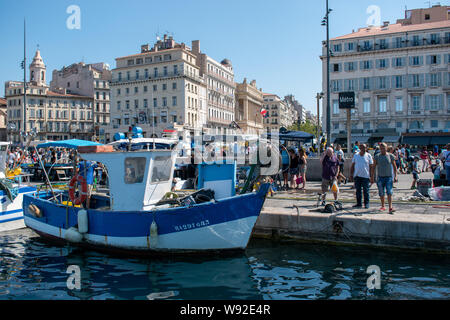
[307, 126]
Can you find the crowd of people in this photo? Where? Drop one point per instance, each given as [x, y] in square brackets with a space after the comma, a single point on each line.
[17, 156]
[382, 167]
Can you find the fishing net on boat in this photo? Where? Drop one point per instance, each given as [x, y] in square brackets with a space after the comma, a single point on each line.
[7, 186]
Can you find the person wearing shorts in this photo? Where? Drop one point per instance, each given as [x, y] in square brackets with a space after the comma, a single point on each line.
[385, 163]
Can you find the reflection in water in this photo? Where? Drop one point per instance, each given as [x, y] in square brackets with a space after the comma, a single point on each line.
[32, 269]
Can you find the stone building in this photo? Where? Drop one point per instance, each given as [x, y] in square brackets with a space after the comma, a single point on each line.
[160, 85]
[219, 78]
[55, 114]
[91, 80]
[281, 113]
[249, 103]
[399, 73]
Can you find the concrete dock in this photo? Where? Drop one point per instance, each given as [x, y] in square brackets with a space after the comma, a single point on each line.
[415, 225]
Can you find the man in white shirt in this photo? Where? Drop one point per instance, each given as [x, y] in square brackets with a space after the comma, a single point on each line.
[360, 172]
[445, 157]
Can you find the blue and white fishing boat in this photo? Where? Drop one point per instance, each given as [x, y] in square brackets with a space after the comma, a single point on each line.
[130, 217]
[11, 196]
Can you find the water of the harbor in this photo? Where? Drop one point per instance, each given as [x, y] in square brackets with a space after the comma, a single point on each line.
[33, 269]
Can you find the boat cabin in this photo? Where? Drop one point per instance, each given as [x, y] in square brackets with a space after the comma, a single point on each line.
[137, 179]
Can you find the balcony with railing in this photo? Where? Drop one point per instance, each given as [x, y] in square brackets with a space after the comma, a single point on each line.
[157, 76]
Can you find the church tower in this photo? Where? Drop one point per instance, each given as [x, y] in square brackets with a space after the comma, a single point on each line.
[38, 70]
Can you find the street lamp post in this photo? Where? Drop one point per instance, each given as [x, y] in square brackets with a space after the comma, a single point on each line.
[318, 97]
[325, 22]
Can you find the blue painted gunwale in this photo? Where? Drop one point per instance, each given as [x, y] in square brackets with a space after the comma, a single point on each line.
[137, 224]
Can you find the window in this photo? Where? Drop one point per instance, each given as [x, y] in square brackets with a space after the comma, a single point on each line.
[165, 71]
[155, 102]
[145, 88]
[415, 61]
[427, 17]
[366, 65]
[164, 102]
[175, 69]
[398, 62]
[382, 104]
[137, 74]
[174, 101]
[366, 105]
[136, 89]
[382, 82]
[366, 125]
[136, 103]
[398, 82]
[382, 63]
[335, 107]
[350, 46]
[161, 169]
[415, 80]
[366, 84]
[174, 86]
[399, 124]
[351, 66]
[118, 105]
[399, 104]
[336, 67]
[416, 105]
[434, 102]
[415, 40]
[434, 123]
[118, 92]
[127, 104]
[434, 79]
[145, 103]
[134, 170]
[164, 86]
[338, 47]
[155, 87]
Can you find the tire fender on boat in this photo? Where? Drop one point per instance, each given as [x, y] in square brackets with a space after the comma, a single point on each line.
[83, 225]
[35, 210]
[72, 235]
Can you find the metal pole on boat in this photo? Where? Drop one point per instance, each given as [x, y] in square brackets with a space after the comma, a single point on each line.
[45, 172]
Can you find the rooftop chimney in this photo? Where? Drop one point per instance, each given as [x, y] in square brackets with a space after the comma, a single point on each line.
[196, 46]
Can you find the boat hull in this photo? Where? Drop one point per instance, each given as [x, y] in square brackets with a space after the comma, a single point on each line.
[222, 225]
[11, 212]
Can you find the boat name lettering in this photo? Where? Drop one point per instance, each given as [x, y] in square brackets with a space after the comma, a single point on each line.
[189, 226]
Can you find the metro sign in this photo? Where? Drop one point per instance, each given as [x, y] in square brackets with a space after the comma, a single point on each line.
[347, 100]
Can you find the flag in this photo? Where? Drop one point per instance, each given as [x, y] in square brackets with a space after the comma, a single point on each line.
[264, 112]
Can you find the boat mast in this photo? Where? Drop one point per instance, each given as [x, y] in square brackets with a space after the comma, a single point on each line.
[24, 82]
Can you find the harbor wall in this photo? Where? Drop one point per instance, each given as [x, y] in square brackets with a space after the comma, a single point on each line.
[411, 231]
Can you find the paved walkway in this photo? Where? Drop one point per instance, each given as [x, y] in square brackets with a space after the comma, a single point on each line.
[307, 199]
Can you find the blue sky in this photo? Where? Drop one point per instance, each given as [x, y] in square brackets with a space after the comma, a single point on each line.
[278, 43]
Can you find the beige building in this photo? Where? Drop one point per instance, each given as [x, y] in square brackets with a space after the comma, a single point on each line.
[219, 78]
[160, 85]
[3, 120]
[91, 80]
[249, 103]
[399, 73]
[55, 114]
[280, 113]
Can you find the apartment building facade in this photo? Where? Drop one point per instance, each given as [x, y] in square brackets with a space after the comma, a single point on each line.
[91, 80]
[54, 114]
[158, 89]
[399, 73]
[298, 107]
[220, 86]
[280, 113]
[249, 104]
